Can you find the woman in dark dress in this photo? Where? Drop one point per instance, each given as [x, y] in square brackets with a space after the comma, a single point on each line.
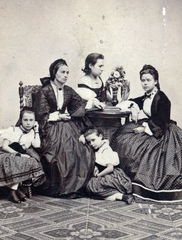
[150, 150]
[68, 164]
[90, 86]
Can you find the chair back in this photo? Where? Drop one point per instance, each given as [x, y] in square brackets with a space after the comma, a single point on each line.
[27, 94]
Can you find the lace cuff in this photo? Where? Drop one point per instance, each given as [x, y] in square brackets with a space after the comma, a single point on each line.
[147, 129]
[53, 116]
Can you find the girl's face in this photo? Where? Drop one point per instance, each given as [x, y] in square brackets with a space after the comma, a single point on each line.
[28, 121]
[97, 68]
[94, 141]
[148, 82]
[62, 74]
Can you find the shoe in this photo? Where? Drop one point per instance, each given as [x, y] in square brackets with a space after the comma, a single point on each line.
[13, 197]
[21, 195]
[128, 198]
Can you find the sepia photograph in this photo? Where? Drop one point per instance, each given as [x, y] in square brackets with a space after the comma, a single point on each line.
[90, 126]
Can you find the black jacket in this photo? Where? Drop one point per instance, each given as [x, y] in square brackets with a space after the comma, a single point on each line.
[160, 113]
[45, 103]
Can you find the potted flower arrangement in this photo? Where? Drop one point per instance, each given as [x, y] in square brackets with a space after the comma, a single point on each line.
[117, 86]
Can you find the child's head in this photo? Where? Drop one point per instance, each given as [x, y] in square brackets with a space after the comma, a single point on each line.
[27, 118]
[94, 137]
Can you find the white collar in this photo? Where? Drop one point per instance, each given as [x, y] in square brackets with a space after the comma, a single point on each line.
[154, 91]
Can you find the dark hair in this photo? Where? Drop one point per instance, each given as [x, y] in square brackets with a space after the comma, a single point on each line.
[26, 110]
[91, 59]
[91, 130]
[55, 66]
[151, 70]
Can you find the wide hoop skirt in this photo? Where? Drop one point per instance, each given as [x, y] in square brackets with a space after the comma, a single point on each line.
[67, 162]
[154, 165]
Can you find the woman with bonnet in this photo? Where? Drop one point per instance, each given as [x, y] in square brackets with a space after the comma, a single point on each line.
[59, 110]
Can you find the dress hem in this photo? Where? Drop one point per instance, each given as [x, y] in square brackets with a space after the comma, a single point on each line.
[163, 196]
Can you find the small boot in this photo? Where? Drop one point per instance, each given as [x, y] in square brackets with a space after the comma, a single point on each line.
[128, 198]
[21, 195]
[13, 197]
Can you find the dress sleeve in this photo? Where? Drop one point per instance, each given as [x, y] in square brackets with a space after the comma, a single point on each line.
[76, 105]
[107, 156]
[41, 110]
[138, 101]
[8, 134]
[110, 157]
[160, 120]
[85, 93]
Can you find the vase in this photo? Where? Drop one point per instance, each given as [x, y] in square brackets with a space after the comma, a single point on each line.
[114, 100]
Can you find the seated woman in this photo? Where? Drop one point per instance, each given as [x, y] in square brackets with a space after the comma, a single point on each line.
[90, 86]
[108, 181]
[18, 161]
[150, 150]
[67, 163]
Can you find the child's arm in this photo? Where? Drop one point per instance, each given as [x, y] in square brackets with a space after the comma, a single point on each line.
[107, 170]
[36, 140]
[6, 148]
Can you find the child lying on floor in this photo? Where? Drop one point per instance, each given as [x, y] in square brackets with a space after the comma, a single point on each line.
[109, 181]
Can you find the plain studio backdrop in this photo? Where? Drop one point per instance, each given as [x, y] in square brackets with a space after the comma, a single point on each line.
[130, 33]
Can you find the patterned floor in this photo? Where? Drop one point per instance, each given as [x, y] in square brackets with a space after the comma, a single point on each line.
[46, 218]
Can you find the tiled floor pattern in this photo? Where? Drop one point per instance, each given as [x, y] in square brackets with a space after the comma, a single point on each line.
[46, 218]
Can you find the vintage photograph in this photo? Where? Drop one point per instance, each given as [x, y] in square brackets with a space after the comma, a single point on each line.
[90, 126]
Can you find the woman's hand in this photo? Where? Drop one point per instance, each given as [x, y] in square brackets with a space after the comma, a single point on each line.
[25, 155]
[64, 116]
[36, 126]
[99, 104]
[96, 171]
[82, 139]
[140, 129]
[134, 114]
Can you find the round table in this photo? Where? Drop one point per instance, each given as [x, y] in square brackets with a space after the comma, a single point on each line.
[108, 119]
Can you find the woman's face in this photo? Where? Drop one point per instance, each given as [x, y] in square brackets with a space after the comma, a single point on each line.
[148, 82]
[97, 68]
[62, 74]
[28, 121]
[94, 141]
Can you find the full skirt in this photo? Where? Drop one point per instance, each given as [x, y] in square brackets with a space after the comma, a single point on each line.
[67, 162]
[154, 165]
[106, 186]
[16, 169]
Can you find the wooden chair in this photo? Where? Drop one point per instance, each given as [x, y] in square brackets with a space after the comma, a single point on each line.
[27, 96]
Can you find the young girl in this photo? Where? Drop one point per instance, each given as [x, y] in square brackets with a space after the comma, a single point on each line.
[109, 181]
[150, 150]
[18, 161]
[90, 86]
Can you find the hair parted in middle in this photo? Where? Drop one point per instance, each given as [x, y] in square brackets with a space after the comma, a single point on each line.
[26, 110]
[55, 66]
[151, 70]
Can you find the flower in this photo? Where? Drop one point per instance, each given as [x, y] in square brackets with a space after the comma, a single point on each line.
[116, 74]
[117, 87]
[116, 78]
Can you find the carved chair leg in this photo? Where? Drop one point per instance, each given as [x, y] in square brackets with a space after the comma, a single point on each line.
[27, 188]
